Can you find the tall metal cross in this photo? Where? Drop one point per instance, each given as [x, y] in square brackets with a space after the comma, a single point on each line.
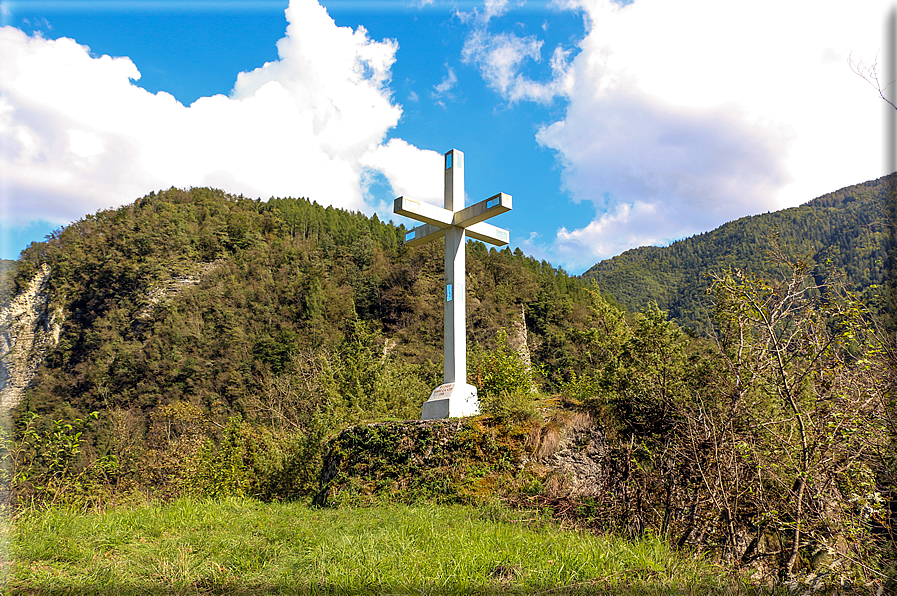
[454, 397]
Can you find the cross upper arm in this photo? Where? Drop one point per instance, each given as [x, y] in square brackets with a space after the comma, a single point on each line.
[494, 205]
[424, 212]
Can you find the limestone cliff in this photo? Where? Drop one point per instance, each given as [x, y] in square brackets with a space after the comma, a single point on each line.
[29, 327]
[518, 339]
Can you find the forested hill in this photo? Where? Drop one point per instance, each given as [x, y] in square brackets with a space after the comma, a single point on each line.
[844, 231]
[202, 297]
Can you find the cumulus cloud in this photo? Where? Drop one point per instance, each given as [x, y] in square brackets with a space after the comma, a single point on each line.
[76, 135]
[412, 172]
[608, 234]
[501, 58]
[685, 115]
[656, 172]
[60, 156]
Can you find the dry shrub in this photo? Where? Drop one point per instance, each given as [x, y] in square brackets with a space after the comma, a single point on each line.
[549, 439]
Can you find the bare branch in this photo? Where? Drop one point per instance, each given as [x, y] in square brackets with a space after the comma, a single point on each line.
[869, 73]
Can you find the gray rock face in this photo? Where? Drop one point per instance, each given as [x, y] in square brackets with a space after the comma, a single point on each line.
[582, 457]
[518, 339]
[29, 327]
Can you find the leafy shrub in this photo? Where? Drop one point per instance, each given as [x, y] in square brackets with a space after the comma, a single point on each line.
[505, 385]
[219, 469]
[46, 465]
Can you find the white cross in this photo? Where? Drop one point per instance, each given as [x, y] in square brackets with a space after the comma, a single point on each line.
[454, 397]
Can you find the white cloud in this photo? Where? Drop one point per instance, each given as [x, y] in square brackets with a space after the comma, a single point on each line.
[604, 235]
[494, 8]
[491, 10]
[444, 88]
[500, 57]
[76, 135]
[411, 172]
[685, 115]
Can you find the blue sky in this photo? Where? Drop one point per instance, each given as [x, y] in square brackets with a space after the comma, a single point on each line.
[612, 125]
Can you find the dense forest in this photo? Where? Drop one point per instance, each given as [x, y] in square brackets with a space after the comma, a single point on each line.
[212, 345]
[842, 232]
[226, 305]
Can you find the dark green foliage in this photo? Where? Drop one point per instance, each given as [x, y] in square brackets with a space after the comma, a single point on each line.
[505, 384]
[291, 316]
[442, 461]
[845, 230]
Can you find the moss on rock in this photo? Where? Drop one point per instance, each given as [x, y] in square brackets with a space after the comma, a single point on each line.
[461, 460]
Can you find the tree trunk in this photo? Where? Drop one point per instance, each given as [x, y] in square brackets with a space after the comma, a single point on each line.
[795, 544]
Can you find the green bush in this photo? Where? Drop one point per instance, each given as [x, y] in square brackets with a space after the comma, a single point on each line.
[505, 384]
[220, 469]
[46, 465]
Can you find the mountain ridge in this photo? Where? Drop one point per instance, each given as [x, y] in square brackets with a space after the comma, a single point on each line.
[845, 230]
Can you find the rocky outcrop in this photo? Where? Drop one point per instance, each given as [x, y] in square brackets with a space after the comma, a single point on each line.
[171, 288]
[518, 339]
[580, 455]
[565, 464]
[463, 459]
[29, 327]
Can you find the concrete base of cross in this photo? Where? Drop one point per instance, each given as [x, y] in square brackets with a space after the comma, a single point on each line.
[451, 400]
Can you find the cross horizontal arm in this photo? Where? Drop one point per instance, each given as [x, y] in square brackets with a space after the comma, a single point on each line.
[495, 205]
[423, 234]
[425, 212]
[486, 232]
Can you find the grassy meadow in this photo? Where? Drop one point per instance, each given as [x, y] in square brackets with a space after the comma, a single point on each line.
[242, 546]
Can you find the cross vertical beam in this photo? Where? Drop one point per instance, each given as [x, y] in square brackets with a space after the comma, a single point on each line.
[454, 368]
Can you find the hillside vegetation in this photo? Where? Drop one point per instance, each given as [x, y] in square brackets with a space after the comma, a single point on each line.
[845, 231]
[189, 308]
[213, 346]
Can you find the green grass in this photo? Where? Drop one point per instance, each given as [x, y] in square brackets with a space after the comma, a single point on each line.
[248, 547]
